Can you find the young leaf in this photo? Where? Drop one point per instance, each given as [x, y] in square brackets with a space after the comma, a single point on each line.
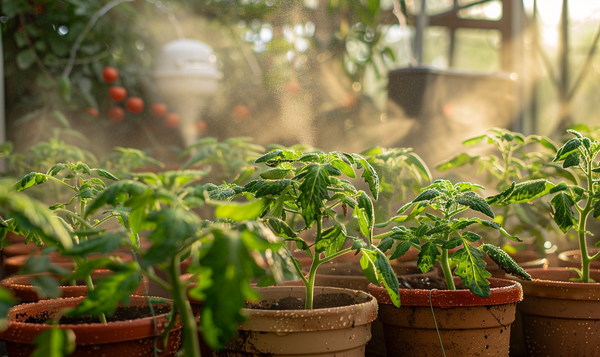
[426, 196]
[427, 256]
[274, 174]
[458, 161]
[369, 174]
[269, 156]
[504, 261]
[106, 174]
[401, 249]
[563, 207]
[569, 147]
[241, 212]
[476, 203]
[471, 269]
[572, 160]
[313, 191]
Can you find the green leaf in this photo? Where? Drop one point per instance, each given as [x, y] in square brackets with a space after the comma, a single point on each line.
[563, 211]
[426, 195]
[54, 342]
[274, 174]
[427, 257]
[313, 191]
[452, 243]
[458, 161]
[47, 286]
[7, 300]
[269, 156]
[400, 250]
[572, 160]
[471, 269]
[369, 174]
[241, 212]
[499, 198]
[106, 174]
[378, 270]
[569, 147]
[343, 164]
[470, 236]
[106, 243]
[109, 292]
[474, 140]
[476, 203]
[504, 261]
[596, 212]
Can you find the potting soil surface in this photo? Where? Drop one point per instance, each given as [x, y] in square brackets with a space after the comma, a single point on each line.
[121, 314]
[321, 301]
[426, 283]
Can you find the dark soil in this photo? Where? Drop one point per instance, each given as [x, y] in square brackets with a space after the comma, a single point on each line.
[322, 301]
[122, 314]
[419, 282]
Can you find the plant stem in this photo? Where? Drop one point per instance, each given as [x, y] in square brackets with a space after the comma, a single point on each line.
[585, 257]
[446, 268]
[90, 285]
[191, 343]
[310, 285]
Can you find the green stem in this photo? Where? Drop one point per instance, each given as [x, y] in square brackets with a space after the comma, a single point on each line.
[446, 268]
[310, 285]
[61, 182]
[585, 257]
[191, 343]
[90, 285]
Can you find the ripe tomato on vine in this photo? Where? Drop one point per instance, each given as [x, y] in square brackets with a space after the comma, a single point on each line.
[110, 74]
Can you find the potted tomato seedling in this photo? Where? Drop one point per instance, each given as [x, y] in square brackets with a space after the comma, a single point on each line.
[310, 186]
[439, 233]
[560, 304]
[88, 248]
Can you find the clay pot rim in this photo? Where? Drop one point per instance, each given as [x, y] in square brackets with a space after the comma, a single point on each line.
[86, 333]
[561, 288]
[21, 280]
[503, 291]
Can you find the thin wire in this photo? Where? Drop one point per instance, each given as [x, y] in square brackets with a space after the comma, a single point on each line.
[435, 322]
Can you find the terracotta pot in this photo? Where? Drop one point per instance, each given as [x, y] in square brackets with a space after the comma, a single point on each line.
[468, 325]
[526, 259]
[25, 292]
[572, 258]
[123, 338]
[338, 331]
[560, 318]
[21, 249]
[13, 264]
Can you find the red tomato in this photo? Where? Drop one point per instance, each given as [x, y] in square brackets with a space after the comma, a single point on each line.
[93, 111]
[201, 126]
[116, 114]
[172, 120]
[117, 93]
[159, 109]
[110, 74]
[241, 112]
[135, 105]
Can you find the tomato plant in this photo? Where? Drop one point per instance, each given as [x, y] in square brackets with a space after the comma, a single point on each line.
[135, 105]
[117, 93]
[159, 109]
[172, 120]
[116, 114]
[110, 74]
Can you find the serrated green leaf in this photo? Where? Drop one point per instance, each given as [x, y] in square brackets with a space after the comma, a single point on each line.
[105, 243]
[572, 160]
[563, 211]
[313, 191]
[427, 257]
[269, 156]
[499, 198]
[458, 161]
[569, 147]
[596, 212]
[476, 203]
[369, 174]
[274, 174]
[343, 164]
[400, 250]
[106, 174]
[470, 236]
[504, 261]
[426, 195]
[452, 243]
[470, 267]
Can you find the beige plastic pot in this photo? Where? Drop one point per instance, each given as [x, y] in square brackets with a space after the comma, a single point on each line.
[328, 332]
[561, 318]
[123, 338]
[468, 325]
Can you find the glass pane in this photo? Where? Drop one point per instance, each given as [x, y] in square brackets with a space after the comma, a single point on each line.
[477, 49]
[435, 7]
[436, 46]
[487, 11]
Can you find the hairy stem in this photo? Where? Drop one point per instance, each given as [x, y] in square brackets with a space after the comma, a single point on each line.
[191, 343]
[446, 268]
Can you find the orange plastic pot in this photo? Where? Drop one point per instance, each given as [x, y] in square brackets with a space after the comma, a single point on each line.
[468, 325]
[124, 338]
